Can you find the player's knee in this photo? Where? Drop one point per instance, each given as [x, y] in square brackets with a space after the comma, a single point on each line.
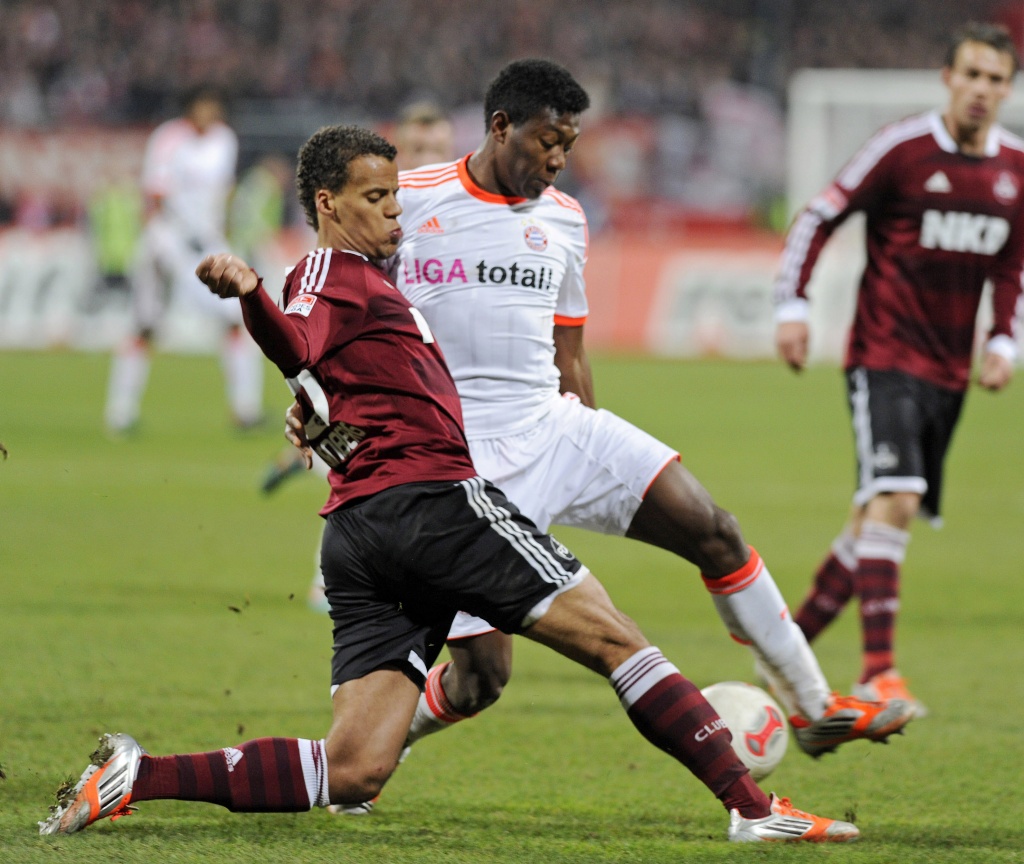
[722, 547]
[481, 685]
[353, 784]
[619, 641]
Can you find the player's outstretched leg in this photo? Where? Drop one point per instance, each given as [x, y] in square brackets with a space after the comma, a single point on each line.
[292, 777]
[267, 775]
[679, 515]
[821, 719]
[672, 713]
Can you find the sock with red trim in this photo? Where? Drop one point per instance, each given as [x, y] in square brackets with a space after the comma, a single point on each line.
[750, 604]
[282, 775]
[832, 588]
[881, 549]
[671, 713]
[434, 711]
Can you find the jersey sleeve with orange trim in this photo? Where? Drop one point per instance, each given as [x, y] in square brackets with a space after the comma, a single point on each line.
[571, 308]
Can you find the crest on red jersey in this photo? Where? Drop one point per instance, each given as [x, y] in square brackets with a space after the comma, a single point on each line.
[1006, 187]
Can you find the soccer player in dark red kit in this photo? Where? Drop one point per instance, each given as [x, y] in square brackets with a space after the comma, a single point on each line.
[943, 193]
[412, 536]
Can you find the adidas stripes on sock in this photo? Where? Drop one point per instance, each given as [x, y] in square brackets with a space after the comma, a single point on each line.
[265, 775]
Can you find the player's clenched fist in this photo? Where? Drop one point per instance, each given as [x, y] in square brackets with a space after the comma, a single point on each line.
[227, 275]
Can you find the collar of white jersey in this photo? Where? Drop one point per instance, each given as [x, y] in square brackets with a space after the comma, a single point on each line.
[948, 143]
[470, 185]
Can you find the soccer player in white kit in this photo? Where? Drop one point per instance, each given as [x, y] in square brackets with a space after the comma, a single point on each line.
[188, 174]
[492, 256]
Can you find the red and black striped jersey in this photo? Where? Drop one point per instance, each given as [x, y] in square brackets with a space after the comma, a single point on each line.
[380, 404]
[939, 224]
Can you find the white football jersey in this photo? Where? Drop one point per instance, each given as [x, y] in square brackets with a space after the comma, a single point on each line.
[192, 173]
[492, 275]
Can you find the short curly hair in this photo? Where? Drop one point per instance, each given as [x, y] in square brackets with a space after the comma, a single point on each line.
[325, 157]
[525, 88]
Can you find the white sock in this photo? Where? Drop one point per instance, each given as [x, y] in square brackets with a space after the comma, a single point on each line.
[243, 371]
[128, 376]
[313, 755]
[844, 547]
[750, 604]
[433, 712]
[879, 540]
[637, 675]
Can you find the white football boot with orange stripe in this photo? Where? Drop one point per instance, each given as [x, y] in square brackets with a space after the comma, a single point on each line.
[787, 824]
[104, 789]
[848, 718]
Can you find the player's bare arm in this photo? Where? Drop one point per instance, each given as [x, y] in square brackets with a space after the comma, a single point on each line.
[227, 275]
[996, 372]
[791, 340]
[573, 364]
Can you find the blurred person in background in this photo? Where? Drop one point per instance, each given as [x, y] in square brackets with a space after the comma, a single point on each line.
[423, 136]
[943, 194]
[115, 221]
[188, 174]
[258, 209]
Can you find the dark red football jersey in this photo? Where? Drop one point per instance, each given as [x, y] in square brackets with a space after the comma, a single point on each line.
[939, 223]
[381, 407]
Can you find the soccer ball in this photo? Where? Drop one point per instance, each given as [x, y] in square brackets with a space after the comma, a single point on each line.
[758, 725]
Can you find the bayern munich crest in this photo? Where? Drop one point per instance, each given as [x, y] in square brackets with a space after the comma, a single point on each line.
[1005, 188]
[535, 238]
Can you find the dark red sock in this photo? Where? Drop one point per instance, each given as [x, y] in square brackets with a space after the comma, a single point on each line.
[265, 775]
[877, 581]
[832, 589]
[671, 713]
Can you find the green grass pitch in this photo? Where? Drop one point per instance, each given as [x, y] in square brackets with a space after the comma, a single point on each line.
[149, 587]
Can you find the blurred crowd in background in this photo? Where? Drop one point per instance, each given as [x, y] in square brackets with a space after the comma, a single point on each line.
[688, 95]
[125, 61]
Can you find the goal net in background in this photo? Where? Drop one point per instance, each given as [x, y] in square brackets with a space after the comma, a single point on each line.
[831, 113]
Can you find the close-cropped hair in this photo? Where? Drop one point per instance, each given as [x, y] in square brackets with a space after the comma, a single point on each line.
[325, 158]
[525, 88]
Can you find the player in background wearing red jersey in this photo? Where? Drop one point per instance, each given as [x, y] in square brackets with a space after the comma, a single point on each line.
[493, 258]
[187, 176]
[412, 535]
[943, 194]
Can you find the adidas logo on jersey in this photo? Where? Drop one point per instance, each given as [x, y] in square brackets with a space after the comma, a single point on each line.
[431, 226]
[938, 182]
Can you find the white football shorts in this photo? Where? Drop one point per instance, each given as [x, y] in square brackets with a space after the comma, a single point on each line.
[577, 466]
[167, 258]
